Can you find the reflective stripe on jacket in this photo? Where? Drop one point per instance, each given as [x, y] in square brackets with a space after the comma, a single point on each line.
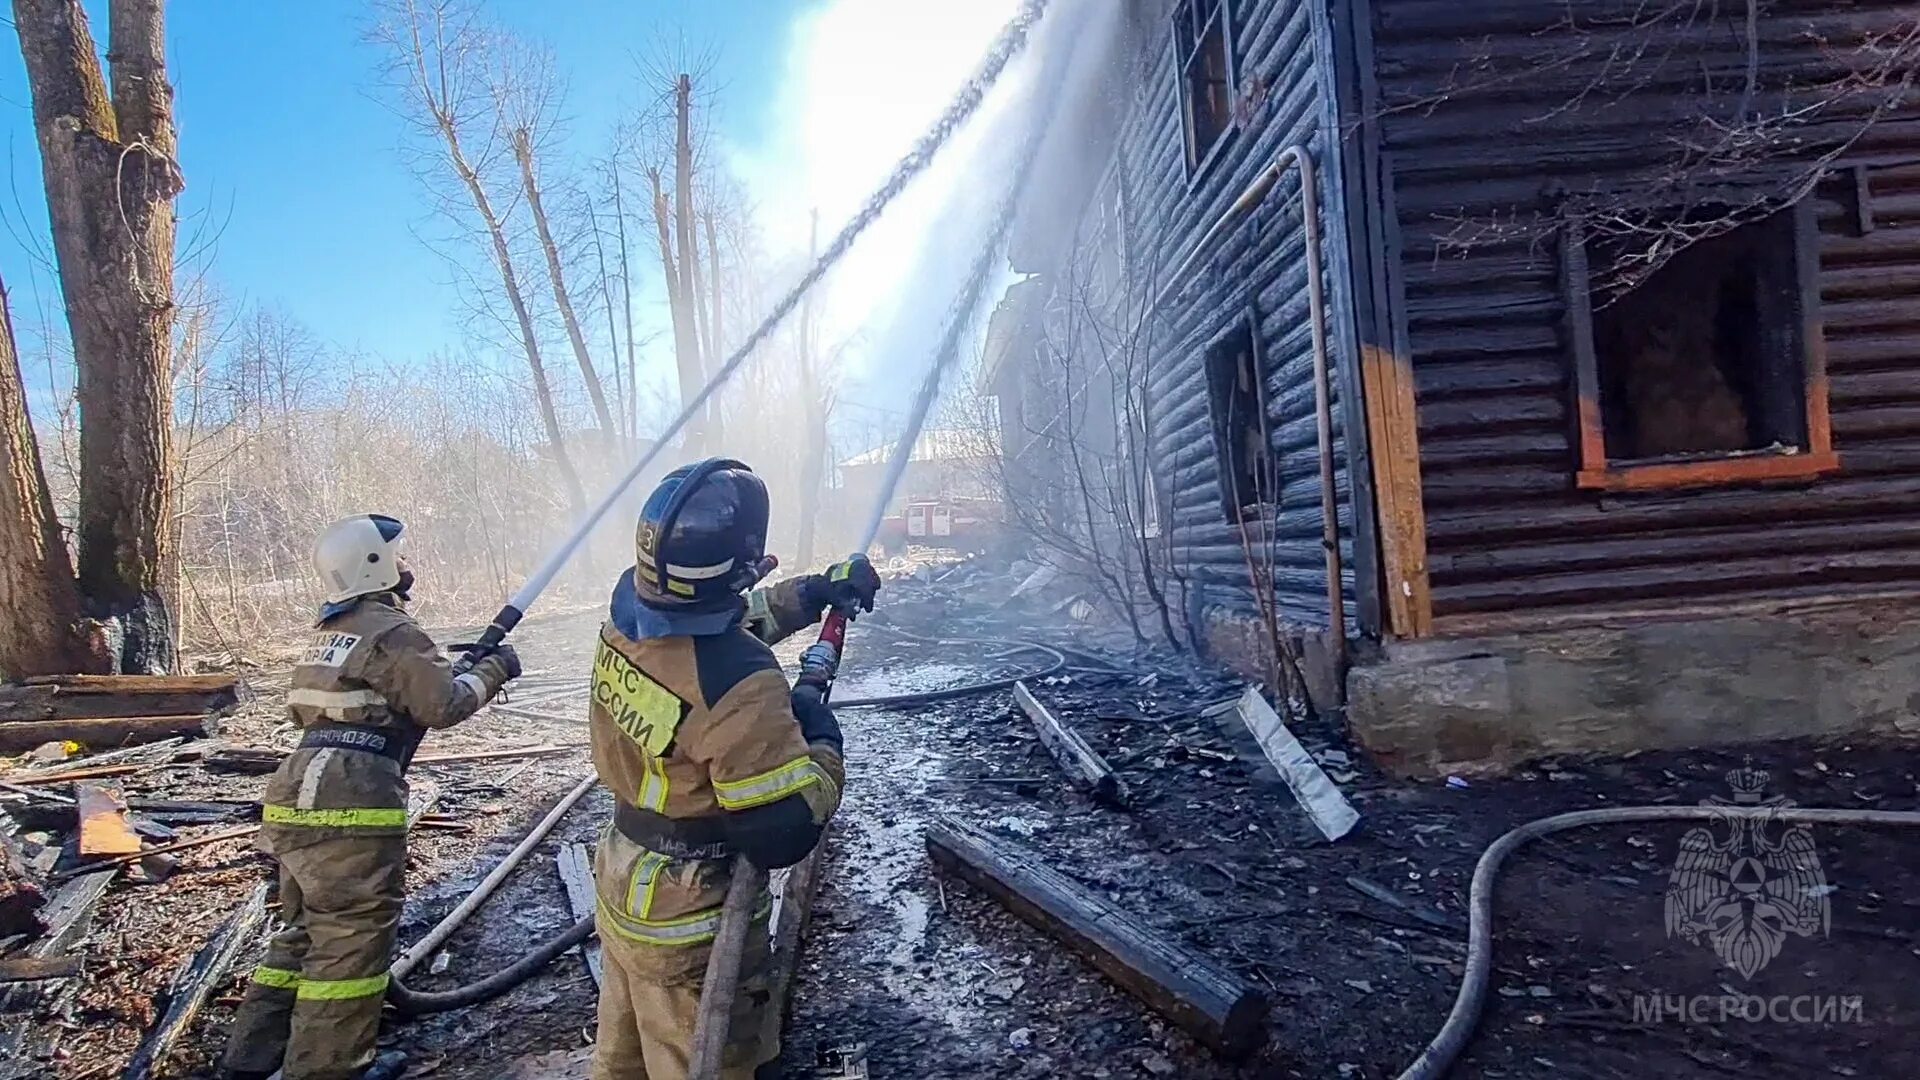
[370, 666]
[694, 727]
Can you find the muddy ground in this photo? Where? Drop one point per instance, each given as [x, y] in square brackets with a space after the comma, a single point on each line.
[936, 981]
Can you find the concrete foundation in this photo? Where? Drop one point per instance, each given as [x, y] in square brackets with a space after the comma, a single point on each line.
[1239, 642]
[1483, 705]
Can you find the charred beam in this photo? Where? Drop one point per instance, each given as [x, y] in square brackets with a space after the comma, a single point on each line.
[106, 731]
[1212, 1004]
[196, 982]
[1083, 765]
[77, 697]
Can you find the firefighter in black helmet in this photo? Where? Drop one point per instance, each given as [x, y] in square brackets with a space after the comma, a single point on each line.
[708, 755]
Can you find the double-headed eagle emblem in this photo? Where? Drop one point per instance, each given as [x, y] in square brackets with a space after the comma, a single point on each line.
[1744, 883]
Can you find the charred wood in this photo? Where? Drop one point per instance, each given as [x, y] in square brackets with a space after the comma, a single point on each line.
[1212, 1004]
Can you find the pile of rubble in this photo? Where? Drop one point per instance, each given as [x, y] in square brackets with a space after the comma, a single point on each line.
[131, 899]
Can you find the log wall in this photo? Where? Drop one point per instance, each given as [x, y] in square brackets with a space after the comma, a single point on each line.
[1281, 66]
[1508, 534]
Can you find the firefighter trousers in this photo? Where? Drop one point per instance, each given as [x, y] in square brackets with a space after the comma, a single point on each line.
[650, 1002]
[313, 1007]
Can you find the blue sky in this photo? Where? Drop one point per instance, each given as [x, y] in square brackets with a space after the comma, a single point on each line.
[292, 155]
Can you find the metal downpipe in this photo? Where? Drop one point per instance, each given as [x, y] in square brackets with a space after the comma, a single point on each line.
[1298, 156]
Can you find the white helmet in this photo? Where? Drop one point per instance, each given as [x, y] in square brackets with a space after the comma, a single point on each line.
[358, 555]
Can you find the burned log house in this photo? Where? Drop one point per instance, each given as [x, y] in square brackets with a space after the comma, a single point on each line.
[1622, 342]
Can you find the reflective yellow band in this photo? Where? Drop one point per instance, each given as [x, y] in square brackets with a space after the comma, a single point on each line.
[770, 786]
[334, 819]
[841, 571]
[646, 874]
[653, 786]
[342, 989]
[695, 929]
[278, 978]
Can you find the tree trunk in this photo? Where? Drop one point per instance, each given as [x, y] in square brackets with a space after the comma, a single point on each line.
[523, 153]
[686, 346]
[111, 178]
[41, 633]
[626, 304]
[691, 289]
[529, 340]
[715, 350]
[620, 428]
[433, 90]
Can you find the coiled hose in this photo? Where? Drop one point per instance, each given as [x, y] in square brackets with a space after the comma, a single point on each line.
[1438, 1057]
[410, 1002]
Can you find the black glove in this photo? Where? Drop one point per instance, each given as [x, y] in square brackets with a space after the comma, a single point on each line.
[817, 723]
[509, 661]
[849, 584]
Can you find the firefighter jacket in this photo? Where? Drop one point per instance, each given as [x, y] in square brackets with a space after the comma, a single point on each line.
[694, 732]
[367, 686]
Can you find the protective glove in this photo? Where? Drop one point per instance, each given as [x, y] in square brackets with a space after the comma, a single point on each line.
[850, 583]
[499, 667]
[509, 661]
[817, 722]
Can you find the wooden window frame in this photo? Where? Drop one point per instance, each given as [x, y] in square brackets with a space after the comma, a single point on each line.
[1237, 513]
[1597, 473]
[1199, 161]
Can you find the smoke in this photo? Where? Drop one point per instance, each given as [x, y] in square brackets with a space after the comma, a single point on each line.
[862, 79]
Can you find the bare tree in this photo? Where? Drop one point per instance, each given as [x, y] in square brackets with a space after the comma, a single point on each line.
[438, 53]
[525, 95]
[111, 174]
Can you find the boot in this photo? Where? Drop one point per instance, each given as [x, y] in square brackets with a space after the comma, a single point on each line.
[389, 1065]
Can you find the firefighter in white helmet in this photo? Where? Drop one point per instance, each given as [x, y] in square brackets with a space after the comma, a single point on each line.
[335, 814]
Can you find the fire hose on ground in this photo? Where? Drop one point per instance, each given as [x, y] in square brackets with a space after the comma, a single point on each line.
[1438, 1058]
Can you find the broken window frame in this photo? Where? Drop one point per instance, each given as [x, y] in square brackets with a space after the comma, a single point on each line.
[1190, 33]
[1597, 472]
[1253, 509]
[1139, 456]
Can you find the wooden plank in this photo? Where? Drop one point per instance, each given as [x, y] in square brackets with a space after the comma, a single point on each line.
[1085, 767]
[43, 779]
[1711, 472]
[103, 732]
[153, 684]
[195, 983]
[104, 830]
[794, 894]
[1210, 1003]
[575, 863]
[1393, 425]
[164, 849]
[38, 969]
[68, 916]
[497, 755]
[123, 696]
[1318, 796]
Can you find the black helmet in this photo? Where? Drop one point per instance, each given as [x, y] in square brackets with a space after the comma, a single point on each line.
[701, 534]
